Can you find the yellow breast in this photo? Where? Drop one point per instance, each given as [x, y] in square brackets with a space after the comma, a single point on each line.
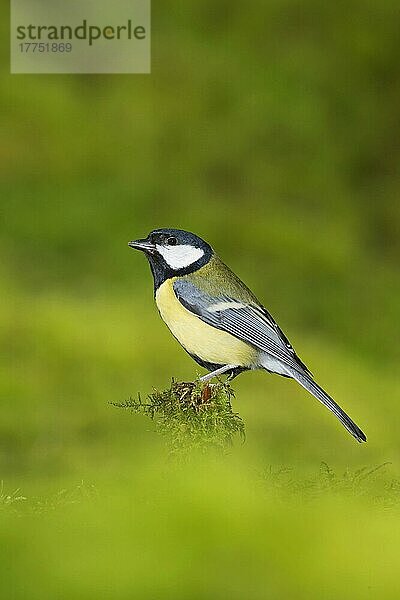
[208, 343]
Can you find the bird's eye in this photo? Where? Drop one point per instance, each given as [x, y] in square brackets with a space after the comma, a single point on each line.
[172, 241]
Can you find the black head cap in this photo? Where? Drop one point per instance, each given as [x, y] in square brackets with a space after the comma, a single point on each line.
[173, 252]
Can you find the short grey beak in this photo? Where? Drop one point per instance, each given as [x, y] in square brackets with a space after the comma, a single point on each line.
[143, 245]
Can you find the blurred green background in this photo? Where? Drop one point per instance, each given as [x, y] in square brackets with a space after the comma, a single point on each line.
[272, 130]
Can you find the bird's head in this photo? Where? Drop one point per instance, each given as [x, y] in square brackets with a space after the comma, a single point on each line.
[173, 252]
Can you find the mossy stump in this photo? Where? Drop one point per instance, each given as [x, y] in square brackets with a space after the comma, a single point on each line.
[192, 415]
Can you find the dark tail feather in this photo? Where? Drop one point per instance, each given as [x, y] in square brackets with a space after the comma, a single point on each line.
[309, 384]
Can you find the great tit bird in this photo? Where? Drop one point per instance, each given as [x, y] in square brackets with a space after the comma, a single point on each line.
[217, 319]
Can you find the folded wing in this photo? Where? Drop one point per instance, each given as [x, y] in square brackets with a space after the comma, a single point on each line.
[248, 322]
[253, 324]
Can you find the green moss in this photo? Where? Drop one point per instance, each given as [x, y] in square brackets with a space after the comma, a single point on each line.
[10, 501]
[192, 415]
[15, 502]
[369, 483]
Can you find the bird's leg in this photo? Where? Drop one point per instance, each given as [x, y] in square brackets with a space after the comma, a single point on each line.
[233, 374]
[217, 372]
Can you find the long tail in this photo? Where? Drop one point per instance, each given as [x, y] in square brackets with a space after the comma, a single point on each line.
[309, 384]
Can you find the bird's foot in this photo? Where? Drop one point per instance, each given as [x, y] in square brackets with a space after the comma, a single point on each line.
[217, 372]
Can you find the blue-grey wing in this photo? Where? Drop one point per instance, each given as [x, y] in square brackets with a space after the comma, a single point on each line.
[249, 322]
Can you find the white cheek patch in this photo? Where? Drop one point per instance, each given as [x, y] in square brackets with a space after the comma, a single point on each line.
[179, 257]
